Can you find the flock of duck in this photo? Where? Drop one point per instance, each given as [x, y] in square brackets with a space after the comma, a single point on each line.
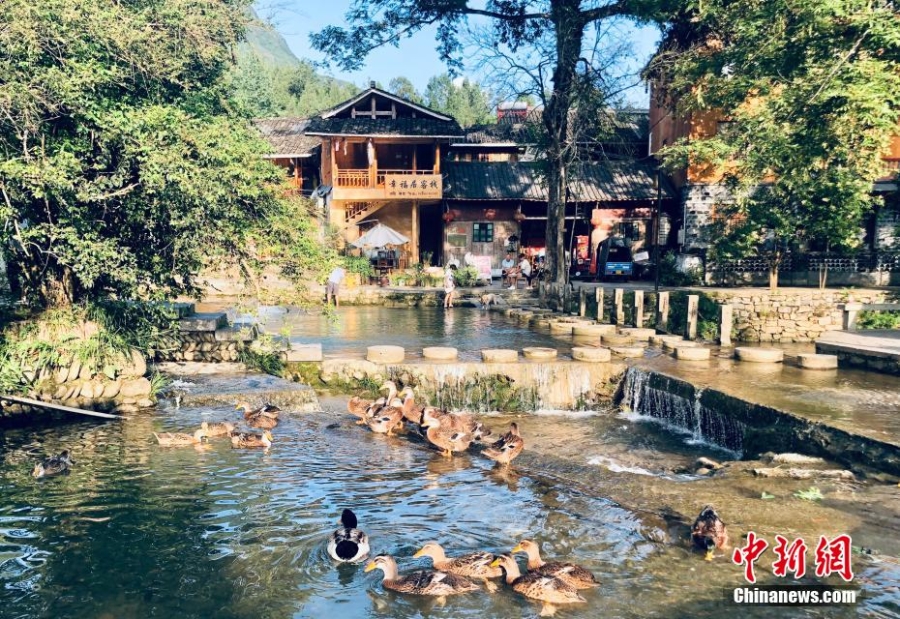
[551, 583]
[448, 431]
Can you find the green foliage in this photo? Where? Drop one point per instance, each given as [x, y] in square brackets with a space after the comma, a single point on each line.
[811, 93]
[466, 277]
[810, 494]
[878, 320]
[265, 355]
[465, 101]
[402, 87]
[669, 274]
[123, 171]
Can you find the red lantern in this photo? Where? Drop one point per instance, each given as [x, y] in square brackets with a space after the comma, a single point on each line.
[448, 216]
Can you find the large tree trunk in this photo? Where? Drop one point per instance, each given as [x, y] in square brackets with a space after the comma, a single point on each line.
[570, 25]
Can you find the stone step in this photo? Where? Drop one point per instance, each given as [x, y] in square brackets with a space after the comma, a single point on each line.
[237, 332]
[210, 321]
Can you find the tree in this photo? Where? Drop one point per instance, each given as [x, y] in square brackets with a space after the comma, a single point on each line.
[810, 92]
[123, 171]
[463, 100]
[402, 87]
[516, 23]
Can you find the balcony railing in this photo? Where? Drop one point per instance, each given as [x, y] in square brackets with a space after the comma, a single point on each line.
[890, 166]
[360, 178]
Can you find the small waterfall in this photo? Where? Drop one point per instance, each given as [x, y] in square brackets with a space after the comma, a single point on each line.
[679, 406]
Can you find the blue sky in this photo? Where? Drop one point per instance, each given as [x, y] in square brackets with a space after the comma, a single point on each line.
[415, 58]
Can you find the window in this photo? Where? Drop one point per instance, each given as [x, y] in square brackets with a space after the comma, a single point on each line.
[483, 233]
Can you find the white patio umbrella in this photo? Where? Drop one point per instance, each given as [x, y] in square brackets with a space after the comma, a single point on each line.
[380, 236]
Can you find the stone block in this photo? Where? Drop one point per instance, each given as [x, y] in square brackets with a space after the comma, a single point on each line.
[637, 333]
[759, 355]
[238, 332]
[538, 353]
[499, 355]
[301, 353]
[203, 322]
[616, 340]
[593, 330]
[628, 352]
[385, 354]
[692, 353]
[440, 353]
[817, 362]
[591, 355]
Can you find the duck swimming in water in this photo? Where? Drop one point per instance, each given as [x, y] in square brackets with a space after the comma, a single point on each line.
[709, 532]
[348, 544]
[53, 465]
[422, 582]
[507, 447]
[569, 573]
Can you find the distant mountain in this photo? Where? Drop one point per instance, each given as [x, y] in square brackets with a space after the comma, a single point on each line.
[267, 45]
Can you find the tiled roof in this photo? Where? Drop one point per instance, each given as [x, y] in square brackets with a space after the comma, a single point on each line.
[287, 136]
[609, 181]
[412, 127]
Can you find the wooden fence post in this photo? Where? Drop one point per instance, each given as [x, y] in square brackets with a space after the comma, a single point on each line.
[693, 309]
[726, 320]
[598, 293]
[638, 308]
[618, 303]
[662, 312]
[582, 302]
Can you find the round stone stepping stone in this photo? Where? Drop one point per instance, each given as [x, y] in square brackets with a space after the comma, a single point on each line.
[538, 310]
[612, 339]
[440, 353]
[657, 340]
[810, 361]
[671, 345]
[759, 355]
[557, 326]
[524, 316]
[499, 355]
[593, 330]
[640, 334]
[385, 354]
[543, 323]
[592, 355]
[538, 353]
[629, 352]
[692, 353]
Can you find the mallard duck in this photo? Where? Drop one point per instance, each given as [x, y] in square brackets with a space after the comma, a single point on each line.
[262, 421]
[507, 447]
[422, 582]
[709, 532]
[538, 586]
[460, 422]
[53, 465]
[348, 544]
[266, 410]
[571, 574]
[443, 436]
[472, 565]
[246, 439]
[179, 439]
[385, 419]
[217, 428]
[412, 412]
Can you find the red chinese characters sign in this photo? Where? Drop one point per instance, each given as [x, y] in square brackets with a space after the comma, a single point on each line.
[413, 186]
[831, 556]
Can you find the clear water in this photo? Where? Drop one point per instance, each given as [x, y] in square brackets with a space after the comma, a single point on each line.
[141, 531]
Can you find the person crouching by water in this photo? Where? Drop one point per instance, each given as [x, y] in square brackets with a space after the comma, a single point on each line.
[449, 285]
[332, 288]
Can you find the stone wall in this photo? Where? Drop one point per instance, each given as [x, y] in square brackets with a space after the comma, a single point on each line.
[698, 202]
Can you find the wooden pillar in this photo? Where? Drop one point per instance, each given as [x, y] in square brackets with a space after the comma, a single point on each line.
[437, 157]
[298, 176]
[415, 148]
[414, 237]
[582, 302]
[662, 312]
[619, 306]
[373, 164]
[598, 294]
[638, 308]
[693, 309]
[726, 320]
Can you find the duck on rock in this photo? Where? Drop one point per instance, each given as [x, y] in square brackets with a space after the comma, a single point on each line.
[507, 447]
[348, 544]
[53, 465]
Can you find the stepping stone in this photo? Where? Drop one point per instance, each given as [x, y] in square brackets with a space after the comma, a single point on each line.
[543, 323]
[592, 355]
[385, 354]
[692, 353]
[811, 361]
[303, 353]
[524, 316]
[759, 355]
[660, 339]
[538, 310]
[557, 326]
[238, 332]
[538, 353]
[628, 352]
[203, 322]
[612, 339]
[440, 353]
[499, 355]
[593, 330]
[640, 334]
[671, 345]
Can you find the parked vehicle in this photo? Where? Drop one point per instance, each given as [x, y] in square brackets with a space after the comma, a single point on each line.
[614, 260]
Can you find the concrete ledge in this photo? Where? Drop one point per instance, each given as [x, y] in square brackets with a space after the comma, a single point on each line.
[302, 353]
[628, 352]
[811, 361]
[591, 355]
[204, 322]
[692, 353]
[593, 330]
[385, 354]
[440, 353]
[640, 334]
[759, 355]
[499, 355]
[538, 353]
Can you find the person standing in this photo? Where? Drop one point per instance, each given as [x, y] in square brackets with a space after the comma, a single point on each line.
[525, 270]
[332, 288]
[449, 286]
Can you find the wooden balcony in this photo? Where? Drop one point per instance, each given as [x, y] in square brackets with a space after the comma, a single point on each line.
[371, 184]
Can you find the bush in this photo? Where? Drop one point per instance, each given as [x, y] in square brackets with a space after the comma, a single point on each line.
[466, 277]
[669, 275]
[878, 320]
